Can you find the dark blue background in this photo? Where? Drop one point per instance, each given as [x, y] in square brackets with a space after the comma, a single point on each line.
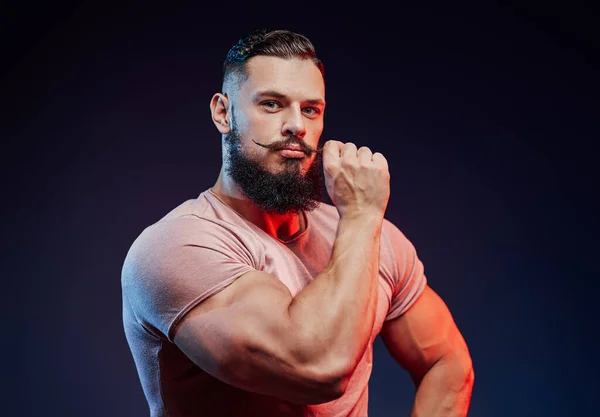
[488, 115]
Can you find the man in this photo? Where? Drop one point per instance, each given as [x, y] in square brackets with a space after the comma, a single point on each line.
[256, 299]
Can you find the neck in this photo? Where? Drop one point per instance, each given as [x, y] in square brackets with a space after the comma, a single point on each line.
[281, 226]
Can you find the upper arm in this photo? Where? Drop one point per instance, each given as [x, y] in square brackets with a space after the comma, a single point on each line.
[198, 285]
[423, 335]
[242, 336]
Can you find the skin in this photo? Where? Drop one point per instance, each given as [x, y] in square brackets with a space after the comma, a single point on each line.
[298, 339]
[428, 344]
[268, 118]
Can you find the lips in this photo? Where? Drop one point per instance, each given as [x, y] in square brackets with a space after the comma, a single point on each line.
[292, 152]
[292, 148]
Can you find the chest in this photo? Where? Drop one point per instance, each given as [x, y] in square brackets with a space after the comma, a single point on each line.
[297, 266]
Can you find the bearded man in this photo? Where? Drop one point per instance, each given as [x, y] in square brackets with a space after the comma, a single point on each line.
[259, 299]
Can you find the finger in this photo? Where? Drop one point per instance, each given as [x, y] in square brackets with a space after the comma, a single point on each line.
[331, 156]
[332, 148]
[364, 155]
[380, 160]
[349, 152]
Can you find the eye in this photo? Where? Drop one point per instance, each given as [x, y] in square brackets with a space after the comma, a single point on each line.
[312, 111]
[270, 105]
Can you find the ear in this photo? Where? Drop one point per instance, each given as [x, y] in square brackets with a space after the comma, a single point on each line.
[219, 108]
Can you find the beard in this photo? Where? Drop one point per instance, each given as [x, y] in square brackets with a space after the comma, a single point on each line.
[293, 190]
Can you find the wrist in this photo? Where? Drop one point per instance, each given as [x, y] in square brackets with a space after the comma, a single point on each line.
[362, 215]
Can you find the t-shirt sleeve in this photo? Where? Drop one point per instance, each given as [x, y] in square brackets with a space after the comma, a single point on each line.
[407, 270]
[176, 264]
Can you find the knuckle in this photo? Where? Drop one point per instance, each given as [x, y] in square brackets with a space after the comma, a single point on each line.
[349, 153]
[329, 168]
[364, 149]
[329, 144]
[349, 160]
[380, 158]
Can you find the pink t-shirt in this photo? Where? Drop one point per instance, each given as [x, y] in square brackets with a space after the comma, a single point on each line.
[201, 247]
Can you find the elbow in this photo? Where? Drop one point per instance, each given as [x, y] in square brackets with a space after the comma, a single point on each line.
[332, 377]
[455, 368]
[336, 384]
[461, 369]
[467, 368]
[470, 374]
[330, 391]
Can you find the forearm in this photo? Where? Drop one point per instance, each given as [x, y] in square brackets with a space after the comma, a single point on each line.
[445, 390]
[336, 311]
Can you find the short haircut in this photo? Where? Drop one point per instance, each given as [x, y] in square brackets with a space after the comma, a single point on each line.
[278, 43]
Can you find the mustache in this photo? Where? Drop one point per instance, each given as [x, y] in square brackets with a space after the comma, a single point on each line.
[276, 146]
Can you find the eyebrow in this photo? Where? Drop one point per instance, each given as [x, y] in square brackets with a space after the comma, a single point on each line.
[276, 94]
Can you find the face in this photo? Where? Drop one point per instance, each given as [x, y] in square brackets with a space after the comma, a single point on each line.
[280, 104]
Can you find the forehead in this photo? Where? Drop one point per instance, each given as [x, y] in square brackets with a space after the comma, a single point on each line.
[293, 77]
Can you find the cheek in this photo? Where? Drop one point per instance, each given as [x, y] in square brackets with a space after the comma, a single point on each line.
[267, 128]
[265, 124]
[315, 131]
[248, 119]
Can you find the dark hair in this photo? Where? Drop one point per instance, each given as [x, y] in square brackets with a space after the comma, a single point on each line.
[279, 43]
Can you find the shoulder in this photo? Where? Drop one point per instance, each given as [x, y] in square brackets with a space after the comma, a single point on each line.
[398, 254]
[195, 222]
[186, 232]
[394, 239]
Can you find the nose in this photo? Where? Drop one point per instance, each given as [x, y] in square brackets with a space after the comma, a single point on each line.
[294, 124]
